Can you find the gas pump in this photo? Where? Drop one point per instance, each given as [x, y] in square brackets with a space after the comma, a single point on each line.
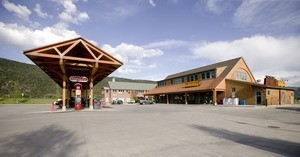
[78, 94]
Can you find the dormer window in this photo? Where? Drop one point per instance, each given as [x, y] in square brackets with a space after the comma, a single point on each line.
[240, 75]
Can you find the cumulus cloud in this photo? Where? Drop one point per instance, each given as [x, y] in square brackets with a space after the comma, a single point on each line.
[134, 57]
[20, 11]
[125, 70]
[22, 38]
[71, 14]
[124, 51]
[151, 2]
[265, 55]
[268, 14]
[40, 13]
[167, 44]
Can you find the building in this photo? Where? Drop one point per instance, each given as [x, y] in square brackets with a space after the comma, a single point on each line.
[228, 80]
[125, 91]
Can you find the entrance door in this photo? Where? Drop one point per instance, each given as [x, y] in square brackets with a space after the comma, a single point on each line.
[258, 98]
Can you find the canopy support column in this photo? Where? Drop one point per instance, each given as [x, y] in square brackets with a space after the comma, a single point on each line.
[167, 98]
[214, 97]
[64, 93]
[91, 93]
[185, 98]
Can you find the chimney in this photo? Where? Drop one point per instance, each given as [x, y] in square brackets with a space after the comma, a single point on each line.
[113, 79]
[270, 81]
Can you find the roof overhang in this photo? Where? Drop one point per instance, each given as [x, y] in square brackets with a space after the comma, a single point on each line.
[75, 57]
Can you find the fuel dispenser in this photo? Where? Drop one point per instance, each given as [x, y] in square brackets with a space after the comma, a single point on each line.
[78, 94]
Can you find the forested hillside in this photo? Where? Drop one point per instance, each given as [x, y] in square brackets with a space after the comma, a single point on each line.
[17, 78]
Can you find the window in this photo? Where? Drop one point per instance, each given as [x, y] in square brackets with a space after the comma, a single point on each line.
[162, 83]
[203, 76]
[233, 89]
[171, 81]
[106, 91]
[213, 74]
[240, 75]
[208, 74]
[182, 79]
[177, 81]
[192, 78]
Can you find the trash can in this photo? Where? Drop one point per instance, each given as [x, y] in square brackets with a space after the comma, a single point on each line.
[96, 104]
[243, 102]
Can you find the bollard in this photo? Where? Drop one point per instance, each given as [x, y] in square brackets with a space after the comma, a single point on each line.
[52, 106]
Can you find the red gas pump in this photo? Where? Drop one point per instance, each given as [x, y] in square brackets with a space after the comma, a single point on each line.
[78, 92]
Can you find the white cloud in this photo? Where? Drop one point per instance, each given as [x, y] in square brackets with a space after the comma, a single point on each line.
[115, 10]
[40, 13]
[71, 14]
[22, 38]
[20, 11]
[266, 14]
[153, 65]
[151, 2]
[212, 5]
[123, 70]
[137, 62]
[265, 55]
[167, 44]
[134, 57]
[124, 51]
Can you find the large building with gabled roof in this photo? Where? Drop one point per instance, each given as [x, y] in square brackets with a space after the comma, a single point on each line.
[211, 84]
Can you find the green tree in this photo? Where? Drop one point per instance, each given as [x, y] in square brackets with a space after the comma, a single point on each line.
[17, 91]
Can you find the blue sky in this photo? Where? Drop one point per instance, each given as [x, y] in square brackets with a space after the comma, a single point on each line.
[155, 38]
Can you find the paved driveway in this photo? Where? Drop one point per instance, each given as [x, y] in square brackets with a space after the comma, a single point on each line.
[150, 130]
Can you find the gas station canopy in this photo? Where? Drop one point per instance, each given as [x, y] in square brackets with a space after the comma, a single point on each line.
[74, 61]
[75, 57]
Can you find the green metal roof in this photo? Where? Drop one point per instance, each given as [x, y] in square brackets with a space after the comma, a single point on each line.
[130, 85]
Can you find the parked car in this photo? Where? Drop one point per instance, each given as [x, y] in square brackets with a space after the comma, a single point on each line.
[131, 101]
[58, 103]
[119, 102]
[146, 101]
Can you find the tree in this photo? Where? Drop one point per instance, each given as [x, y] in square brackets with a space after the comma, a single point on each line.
[17, 91]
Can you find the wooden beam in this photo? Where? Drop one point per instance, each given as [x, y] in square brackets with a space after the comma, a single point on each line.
[91, 93]
[62, 65]
[57, 51]
[79, 64]
[70, 48]
[42, 55]
[88, 49]
[79, 59]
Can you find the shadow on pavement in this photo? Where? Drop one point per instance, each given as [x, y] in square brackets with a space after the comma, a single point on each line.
[278, 146]
[48, 141]
[289, 108]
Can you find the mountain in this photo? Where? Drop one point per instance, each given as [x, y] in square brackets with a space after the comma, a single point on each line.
[17, 78]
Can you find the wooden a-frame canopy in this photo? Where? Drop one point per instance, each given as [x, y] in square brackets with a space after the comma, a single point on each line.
[75, 57]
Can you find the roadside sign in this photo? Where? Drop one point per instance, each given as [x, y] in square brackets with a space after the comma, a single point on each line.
[78, 79]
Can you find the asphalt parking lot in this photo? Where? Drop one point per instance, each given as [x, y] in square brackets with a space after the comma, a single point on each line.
[150, 130]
